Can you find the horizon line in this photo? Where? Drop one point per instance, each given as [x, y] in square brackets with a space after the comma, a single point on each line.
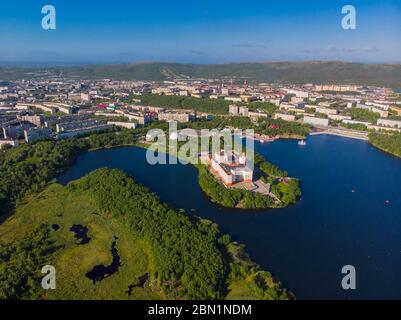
[55, 64]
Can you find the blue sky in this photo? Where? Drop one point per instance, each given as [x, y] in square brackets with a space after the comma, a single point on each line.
[201, 31]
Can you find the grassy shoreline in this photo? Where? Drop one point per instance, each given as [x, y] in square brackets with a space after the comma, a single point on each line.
[387, 151]
[388, 143]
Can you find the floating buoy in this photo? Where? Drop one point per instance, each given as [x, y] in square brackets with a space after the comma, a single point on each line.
[387, 201]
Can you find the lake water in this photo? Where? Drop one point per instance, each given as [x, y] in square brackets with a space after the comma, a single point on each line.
[342, 218]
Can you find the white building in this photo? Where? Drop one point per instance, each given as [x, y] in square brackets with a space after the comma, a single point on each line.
[389, 123]
[231, 168]
[127, 125]
[233, 99]
[283, 116]
[325, 110]
[286, 106]
[339, 117]
[233, 109]
[314, 121]
[356, 122]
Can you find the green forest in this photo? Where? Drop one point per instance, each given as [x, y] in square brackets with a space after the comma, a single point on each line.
[186, 258]
[363, 115]
[215, 106]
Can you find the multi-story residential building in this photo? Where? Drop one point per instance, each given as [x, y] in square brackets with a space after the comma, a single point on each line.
[80, 129]
[233, 99]
[325, 110]
[295, 100]
[177, 116]
[371, 108]
[233, 110]
[128, 125]
[346, 121]
[276, 102]
[286, 106]
[244, 111]
[314, 121]
[33, 135]
[68, 126]
[338, 117]
[37, 120]
[284, 116]
[339, 88]
[15, 132]
[389, 123]
[255, 115]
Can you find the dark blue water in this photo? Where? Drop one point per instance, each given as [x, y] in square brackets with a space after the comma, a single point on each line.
[342, 218]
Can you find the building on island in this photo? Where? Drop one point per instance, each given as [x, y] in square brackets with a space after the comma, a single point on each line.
[231, 167]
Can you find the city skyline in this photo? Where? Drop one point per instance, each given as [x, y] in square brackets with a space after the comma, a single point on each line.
[126, 31]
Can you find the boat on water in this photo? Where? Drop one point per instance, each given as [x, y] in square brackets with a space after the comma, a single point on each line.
[302, 143]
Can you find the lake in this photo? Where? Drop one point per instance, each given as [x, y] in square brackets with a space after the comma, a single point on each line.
[349, 213]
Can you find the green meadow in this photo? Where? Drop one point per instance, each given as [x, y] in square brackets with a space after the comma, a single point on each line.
[57, 205]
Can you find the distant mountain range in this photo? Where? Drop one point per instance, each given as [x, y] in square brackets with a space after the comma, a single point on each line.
[296, 72]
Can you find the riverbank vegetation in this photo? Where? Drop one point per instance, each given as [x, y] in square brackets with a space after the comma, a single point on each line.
[286, 189]
[388, 142]
[231, 198]
[185, 258]
[28, 168]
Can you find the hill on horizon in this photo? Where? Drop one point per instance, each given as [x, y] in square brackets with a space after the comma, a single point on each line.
[388, 75]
